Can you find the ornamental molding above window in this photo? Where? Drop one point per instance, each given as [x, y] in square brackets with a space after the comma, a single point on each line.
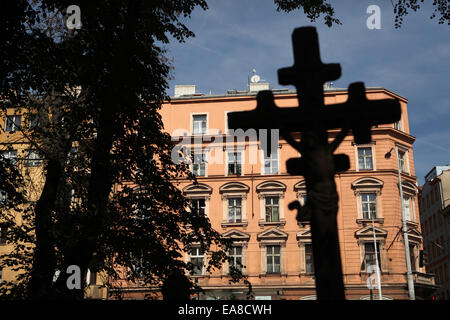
[367, 184]
[199, 189]
[300, 186]
[414, 236]
[409, 187]
[234, 187]
[271, 187]
[366, 233]
[304, 235]
[272, 234]
[236, 235]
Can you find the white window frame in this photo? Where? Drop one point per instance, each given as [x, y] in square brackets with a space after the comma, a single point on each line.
[14, 125]
[233, 256]
[272, 237]
[368, 185]
[240, 239]
[272, 205]
[36, 161]
[234, 190]
[304, 239]
[273, 255]
[360, 146]
[200, 254]
[204, 155]
[365, 235]
[263, 162]
[206, 114]
[9, 154]
[271, 189]
[405, 152]
[199, 191]
[367, 201]
[241, 162]
[410, 191]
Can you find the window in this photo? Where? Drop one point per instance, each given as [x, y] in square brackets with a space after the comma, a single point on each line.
[402, 161]
[3, 197]
[237, 253]
[271, 163]
[406, 207]
[234, 209]
[199, 164]
[2, 235]
[234, 206]
[235, 258]
[234, 163]
[13, 123]
[197, 259]
[199, 124]
[397, 125]
[9, 155]
[91, 277]
[273, 259]
[33, 120]
[368, 199]
[32, 159]
[365, 158]
[272, 209]
[369, 254]
[138, 267]
[198, 205]
[412, 256]
[309, 262]
[271, 203]
[369, 205]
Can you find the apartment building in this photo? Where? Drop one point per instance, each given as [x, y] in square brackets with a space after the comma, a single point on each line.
[434, 203]
[246, 194]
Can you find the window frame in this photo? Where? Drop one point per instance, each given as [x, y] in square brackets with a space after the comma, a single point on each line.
[201, 255]
[237, 163]
[8, 152]
[193, 121]
[372, 157]
[271, 161]
[272, 237]
[33, 162]
[271, 189]
[273, 255]
[204, 163]
[14, 125]
[234, 190]
[368, 185]
[370, 214]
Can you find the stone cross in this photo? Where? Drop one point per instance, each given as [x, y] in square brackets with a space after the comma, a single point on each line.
[310, 120]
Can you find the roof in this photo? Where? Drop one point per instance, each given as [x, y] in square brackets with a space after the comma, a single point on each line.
[236, 93]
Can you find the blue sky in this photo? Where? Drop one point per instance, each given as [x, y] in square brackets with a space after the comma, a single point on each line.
[235, 36]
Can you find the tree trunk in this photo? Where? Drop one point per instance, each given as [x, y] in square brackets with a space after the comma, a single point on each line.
[44, 260]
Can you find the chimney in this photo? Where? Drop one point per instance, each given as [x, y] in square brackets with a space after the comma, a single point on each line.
[184, 90]
[258, 86]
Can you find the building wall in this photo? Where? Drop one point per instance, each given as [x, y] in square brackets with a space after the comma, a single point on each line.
[292, 282]
[434, 199]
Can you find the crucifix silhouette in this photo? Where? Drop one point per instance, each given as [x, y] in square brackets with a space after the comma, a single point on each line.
[310, 120]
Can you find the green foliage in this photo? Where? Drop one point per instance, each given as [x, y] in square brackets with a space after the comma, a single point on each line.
[99, 89]
[313, 9]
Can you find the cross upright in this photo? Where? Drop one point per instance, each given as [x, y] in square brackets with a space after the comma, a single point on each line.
[311, 119]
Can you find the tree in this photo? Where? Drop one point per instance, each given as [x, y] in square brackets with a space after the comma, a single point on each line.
[316, 8]
[99, 89]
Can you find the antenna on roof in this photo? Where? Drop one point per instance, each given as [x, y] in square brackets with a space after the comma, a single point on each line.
[255, 78]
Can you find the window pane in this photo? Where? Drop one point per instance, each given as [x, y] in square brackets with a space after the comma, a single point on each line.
[365, 158]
